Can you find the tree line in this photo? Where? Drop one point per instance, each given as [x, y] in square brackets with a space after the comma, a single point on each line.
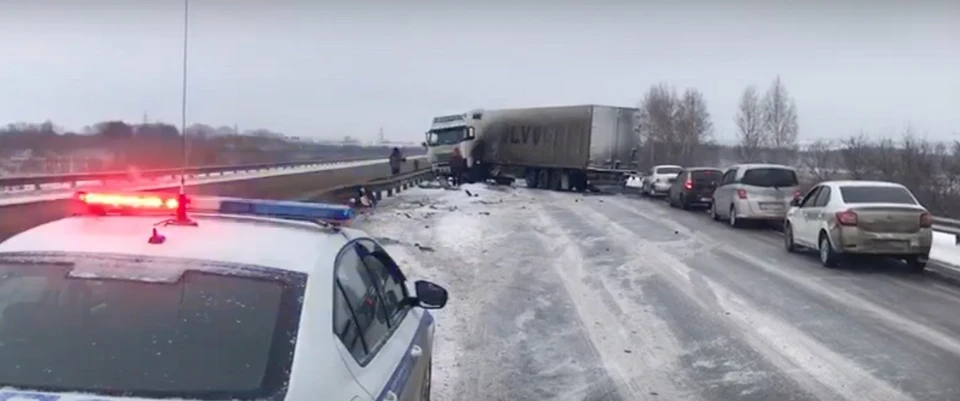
[118, 145]
[677, 129]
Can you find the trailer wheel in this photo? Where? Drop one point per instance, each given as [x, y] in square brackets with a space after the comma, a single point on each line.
[530, 176]
[543, 178]
[556, 180]
[578, 180]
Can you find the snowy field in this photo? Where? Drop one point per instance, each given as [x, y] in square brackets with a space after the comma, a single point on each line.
[561, 296]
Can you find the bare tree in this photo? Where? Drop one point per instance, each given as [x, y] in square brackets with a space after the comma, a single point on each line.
[752, 137]
[819, 159]
[692, 124]
[855, 153]
[657, 112]
[780, 120]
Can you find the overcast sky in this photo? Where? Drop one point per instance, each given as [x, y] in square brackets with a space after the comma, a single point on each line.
[317, 68]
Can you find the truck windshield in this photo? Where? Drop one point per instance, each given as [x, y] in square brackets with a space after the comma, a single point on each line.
[219, 333]
[450, 136]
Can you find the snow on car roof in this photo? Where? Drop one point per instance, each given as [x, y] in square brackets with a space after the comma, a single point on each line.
[281, 244]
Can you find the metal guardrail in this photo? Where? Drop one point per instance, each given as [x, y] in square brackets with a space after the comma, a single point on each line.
[378, 189]
[73, 179]
[949, 226]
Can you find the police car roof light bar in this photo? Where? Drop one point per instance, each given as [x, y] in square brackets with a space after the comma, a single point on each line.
[180, 204]
[329, 213]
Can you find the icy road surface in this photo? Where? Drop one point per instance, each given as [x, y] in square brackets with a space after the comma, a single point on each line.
[560, 296]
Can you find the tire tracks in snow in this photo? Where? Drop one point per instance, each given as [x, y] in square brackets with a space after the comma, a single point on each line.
[509, 330]
[817, 369]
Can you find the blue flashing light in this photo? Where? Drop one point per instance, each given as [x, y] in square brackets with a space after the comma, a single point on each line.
[285, 209]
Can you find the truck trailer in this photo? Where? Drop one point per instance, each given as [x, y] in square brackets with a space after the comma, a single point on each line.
[558, 148]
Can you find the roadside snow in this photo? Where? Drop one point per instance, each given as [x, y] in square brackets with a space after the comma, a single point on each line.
[454, 220]
[945, 250]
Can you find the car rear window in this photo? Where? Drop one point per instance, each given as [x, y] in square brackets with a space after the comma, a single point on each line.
[706, 175]
[876, 194]
[770, 177]
[669, 170]
[175, 329]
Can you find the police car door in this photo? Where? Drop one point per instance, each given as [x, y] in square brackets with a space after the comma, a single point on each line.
[391, 366]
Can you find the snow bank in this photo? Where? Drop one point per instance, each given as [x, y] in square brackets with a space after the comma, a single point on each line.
[411, 226]
[945, 250]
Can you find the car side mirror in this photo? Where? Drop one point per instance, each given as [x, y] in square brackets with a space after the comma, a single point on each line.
[795, 201]
[423, 144]
[430, 295]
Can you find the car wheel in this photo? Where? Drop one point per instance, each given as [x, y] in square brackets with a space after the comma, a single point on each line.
[917, 264]
[828, 257]
[713, 211]
[788, 243]
[683, 203]
[733, 220]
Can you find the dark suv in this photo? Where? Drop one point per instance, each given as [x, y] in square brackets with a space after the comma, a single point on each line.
[694, 187]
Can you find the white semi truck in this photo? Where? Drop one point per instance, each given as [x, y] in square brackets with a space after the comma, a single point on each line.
[444, 135]
[558, 148]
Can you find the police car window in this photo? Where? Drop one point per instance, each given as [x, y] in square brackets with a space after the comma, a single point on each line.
[345, 326]
[387, 276]
[363, 299]
[200, 335]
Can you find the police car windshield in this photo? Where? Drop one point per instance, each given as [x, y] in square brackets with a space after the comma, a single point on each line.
[221, 332]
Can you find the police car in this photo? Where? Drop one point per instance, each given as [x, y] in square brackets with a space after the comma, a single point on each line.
[150, 296]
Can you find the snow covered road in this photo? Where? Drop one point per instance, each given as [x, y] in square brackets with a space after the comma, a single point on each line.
[570, 297]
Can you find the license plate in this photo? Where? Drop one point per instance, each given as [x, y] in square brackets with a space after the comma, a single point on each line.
[705, 200]
[895, 244]
[771, 206]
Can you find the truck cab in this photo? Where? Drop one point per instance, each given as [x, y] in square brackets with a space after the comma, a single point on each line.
[444, 135]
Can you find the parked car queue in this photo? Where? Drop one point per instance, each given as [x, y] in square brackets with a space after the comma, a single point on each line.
[840, 220]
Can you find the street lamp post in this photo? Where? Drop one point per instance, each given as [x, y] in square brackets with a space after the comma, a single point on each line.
[183, 103]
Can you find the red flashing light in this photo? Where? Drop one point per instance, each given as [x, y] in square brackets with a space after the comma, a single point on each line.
[128, 201]
[926, 220]
[847, 218]
[742, 193]
[688, 185]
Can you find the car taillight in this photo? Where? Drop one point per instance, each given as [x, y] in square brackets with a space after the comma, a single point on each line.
[847, 218]
[926, 220]
[742, 193]
[688, 185]
[796, 194]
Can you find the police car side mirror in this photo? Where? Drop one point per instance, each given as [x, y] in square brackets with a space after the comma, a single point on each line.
[430, 295]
